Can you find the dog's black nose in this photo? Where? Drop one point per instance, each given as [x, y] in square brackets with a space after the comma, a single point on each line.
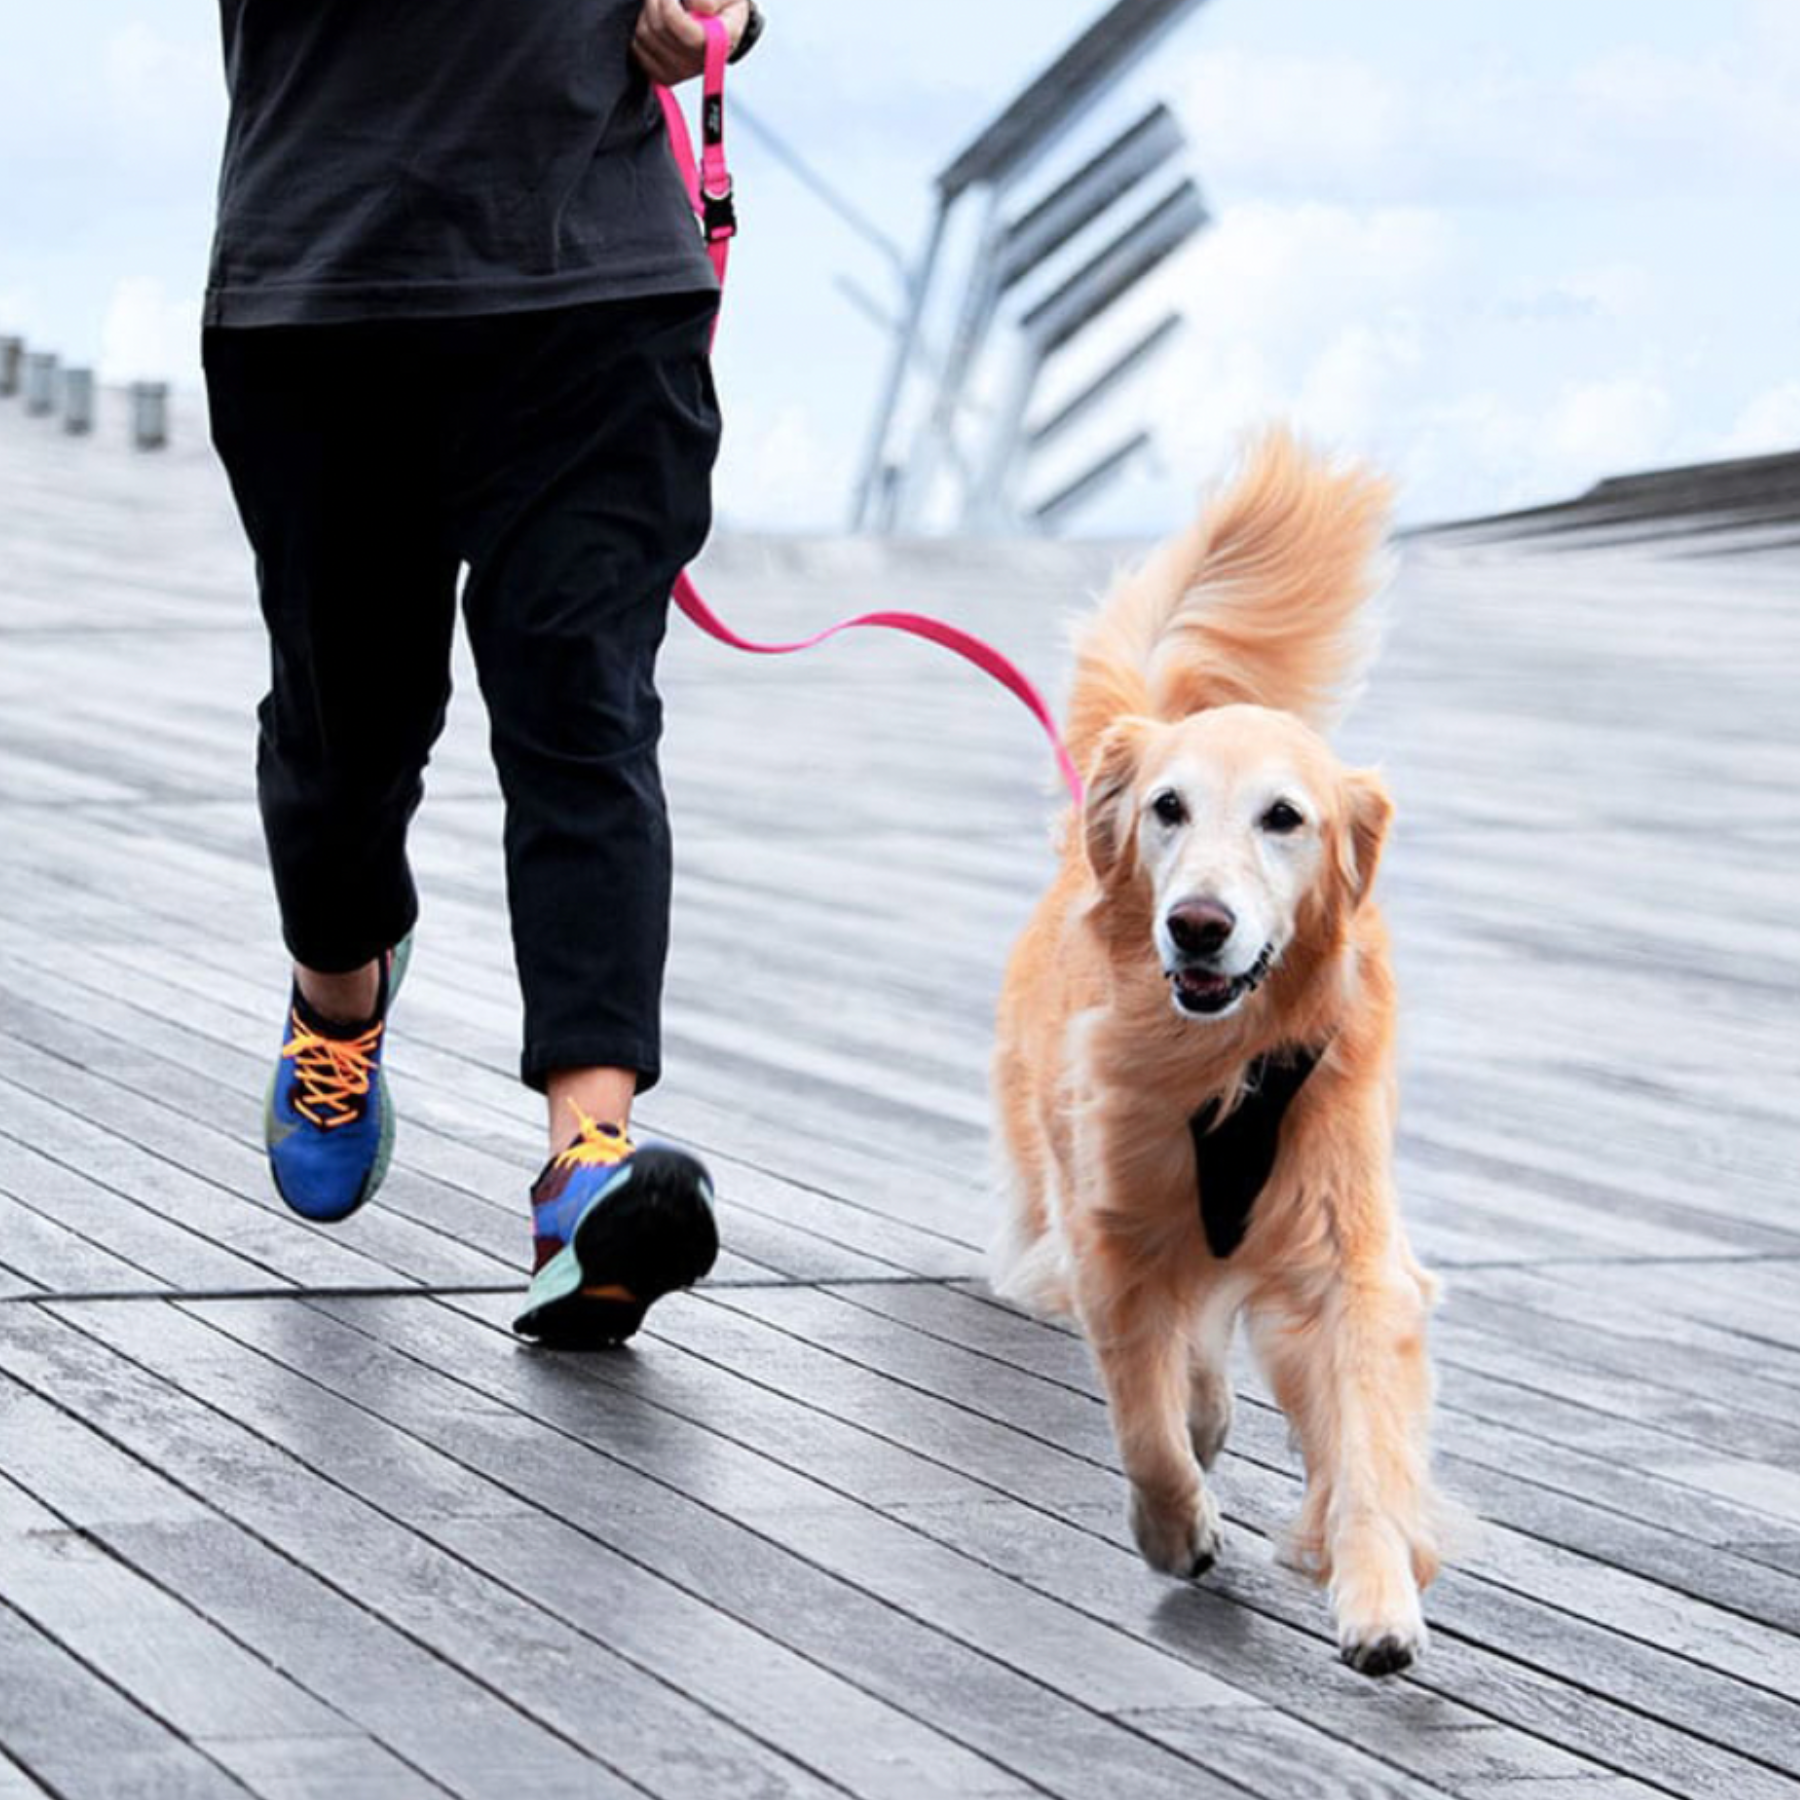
[1200, 927]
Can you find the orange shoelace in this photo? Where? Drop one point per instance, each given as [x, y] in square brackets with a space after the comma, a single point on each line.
[597, 1147]
[331, 1075]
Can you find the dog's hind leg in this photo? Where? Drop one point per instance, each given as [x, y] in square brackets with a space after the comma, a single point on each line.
[1025, 1258]
[1347, 1364]
[1209, 1370]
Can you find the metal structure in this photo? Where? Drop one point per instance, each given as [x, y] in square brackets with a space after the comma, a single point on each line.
[952, 439]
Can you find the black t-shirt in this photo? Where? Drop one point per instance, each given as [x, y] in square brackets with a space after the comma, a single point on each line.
[420, 158]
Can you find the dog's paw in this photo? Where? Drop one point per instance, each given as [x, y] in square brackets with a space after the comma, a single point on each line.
[1380, 1625]
[1379, 1650]
[1180, 1538]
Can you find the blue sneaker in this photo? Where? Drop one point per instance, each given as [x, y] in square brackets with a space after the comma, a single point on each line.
[616, 1227]
[329, 1121]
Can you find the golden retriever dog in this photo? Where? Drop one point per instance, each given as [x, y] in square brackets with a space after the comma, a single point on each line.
[1195, 1068]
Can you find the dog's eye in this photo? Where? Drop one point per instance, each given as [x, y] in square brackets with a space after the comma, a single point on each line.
[1168, 807]
[1281, 819]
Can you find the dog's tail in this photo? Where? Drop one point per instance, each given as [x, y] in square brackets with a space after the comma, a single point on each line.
[1263, 599]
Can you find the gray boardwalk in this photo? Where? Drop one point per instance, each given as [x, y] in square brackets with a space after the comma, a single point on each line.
[287, 1512]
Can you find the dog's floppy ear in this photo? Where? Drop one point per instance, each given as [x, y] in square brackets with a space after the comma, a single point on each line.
[1106, 813]
[1368, 811]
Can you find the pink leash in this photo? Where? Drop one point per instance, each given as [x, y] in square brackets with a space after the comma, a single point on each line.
[709, 189]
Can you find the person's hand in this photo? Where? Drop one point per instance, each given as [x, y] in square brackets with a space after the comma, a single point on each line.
[669, 44]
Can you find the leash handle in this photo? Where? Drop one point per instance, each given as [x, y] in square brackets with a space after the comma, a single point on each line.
[709, 188]
[708, 176]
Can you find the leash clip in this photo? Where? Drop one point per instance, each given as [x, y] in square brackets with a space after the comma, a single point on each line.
[718, 213]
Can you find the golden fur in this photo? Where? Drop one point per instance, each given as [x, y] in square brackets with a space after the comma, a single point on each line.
[1206, 676]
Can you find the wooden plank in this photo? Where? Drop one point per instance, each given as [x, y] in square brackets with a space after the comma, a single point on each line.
[1736, 1383]
[1656, 1529]
[1492, 1466]
[860, 1618]
[1659, 1419]
[346, 1768]
[155, 1212]
[42, 1253]
[15, 1783]
[1648, 1325]
[934, 1497]
[173, 1663]
[227, 1156]
[1469, 1758]
[251, 1597]
[778, 1229]
[13, 1285]
[618, 1512]
[1007, 1403]
[899, 1493]
[491, 1688]
[1705, 1298]
[121, 1749]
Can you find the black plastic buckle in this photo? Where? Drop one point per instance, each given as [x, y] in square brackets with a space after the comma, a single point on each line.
[718, 214]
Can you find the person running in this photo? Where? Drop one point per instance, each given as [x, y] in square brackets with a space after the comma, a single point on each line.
[457, 319]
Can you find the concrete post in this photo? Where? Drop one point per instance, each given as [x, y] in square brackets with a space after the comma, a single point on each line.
[40, 383]
[78, 401]
[149, 414]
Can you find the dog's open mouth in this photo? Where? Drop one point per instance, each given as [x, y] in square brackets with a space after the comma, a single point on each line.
[1204, 991]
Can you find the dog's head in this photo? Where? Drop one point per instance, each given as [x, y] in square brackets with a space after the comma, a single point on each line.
[1240, 835]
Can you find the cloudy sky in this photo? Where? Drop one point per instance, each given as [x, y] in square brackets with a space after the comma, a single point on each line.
[1502, 249]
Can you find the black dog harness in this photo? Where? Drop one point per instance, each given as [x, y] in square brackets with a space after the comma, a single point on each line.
[1233, 1159]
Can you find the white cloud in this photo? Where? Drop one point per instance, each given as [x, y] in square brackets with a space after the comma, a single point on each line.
[1769, 422]
[1312, 313]
[18, 306]
[1267, 119]
[1354, 379]
[1619, 423]
[162, 96]
[1776, 29]
[148, 334]
[780, 471]
[1377, 332]
[1617, 290]
[1270, 123]
[1279, 271]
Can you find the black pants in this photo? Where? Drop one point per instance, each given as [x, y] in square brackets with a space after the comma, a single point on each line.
[565, 457]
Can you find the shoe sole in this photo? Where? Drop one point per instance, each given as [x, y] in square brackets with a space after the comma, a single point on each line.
[384, 1145]
[652, 1234]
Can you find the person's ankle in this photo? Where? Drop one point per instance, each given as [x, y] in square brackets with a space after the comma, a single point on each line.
[348, 999]
[575, 1095]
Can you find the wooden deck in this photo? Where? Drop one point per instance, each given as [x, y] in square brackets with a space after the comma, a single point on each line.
[287, 1512]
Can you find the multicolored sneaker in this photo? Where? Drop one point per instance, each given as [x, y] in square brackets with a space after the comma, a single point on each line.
[616, 1227]
[329, 1121]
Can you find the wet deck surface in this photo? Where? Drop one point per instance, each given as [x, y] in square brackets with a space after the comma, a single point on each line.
[287, 1512]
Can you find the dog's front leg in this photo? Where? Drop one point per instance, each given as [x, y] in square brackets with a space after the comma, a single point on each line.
[1135, 1326]
[1346, 1358]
